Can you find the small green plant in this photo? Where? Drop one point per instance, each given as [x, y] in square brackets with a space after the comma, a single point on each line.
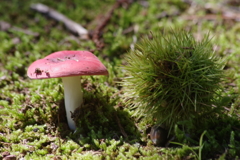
[185, 148]
[171, 77]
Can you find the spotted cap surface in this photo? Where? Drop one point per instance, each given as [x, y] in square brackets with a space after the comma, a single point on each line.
[66, 64]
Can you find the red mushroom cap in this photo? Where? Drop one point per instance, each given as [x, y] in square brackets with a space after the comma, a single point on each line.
[66, 64]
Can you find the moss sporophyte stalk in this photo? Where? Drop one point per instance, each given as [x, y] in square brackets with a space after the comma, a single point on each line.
[171, 77]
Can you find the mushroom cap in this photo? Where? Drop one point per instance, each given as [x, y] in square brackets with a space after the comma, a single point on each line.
[66, 64]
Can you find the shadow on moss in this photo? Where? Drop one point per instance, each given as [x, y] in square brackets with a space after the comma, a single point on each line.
[222, 136]
[100, 117]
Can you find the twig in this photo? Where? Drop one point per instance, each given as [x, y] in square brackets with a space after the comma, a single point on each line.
[4, 26]
[216, 13]
[230, 110]
[227, 109]
[69, 24]
[97, 33]
[120, 126]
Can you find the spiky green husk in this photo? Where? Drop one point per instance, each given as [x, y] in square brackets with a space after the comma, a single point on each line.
[172, 77]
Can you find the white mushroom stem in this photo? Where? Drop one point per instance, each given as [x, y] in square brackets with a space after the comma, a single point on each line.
[73, 97]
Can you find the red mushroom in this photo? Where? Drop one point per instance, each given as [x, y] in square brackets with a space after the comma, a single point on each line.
[69, 65]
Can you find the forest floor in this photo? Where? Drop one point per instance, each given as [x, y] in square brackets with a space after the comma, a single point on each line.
[32, 116]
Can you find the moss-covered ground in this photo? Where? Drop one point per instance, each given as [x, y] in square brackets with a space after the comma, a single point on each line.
[32, 115]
